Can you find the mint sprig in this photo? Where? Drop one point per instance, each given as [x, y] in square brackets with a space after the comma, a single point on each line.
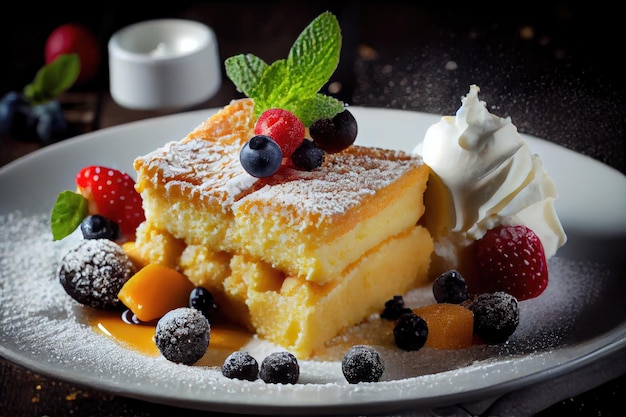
[293, 84]
[68, 212]
[53, 79]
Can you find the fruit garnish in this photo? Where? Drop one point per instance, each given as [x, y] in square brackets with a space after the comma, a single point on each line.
[284, 127]
[293, 83]
[280, 368]
[511, 259]
[496, 315]
[183, 335]
[35, 114]
[100, 190]
[362, 363]
[76, 39]
[410, 332]
[450, 326]
[450, 287]
[155, 290]
[94, 271]
[240, 365]
[202, 299]
[394, 308]
[308, 156]
[335, 134]
[261, 156]
[96, 226]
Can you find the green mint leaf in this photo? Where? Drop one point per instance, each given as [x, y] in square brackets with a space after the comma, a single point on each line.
[314, 55]
[53, 79]
[245, 71]
[294, 83]
[69, 210]
[319, 107]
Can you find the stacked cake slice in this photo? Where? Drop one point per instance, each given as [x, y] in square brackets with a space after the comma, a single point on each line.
[295, 257]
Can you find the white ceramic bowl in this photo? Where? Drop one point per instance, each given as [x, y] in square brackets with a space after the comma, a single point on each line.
[163, 64]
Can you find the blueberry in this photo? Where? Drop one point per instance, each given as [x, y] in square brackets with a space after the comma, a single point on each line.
[51, 125]
[496, 315]
[182, 335]
[94, 272]
[362, 363]
[450, 287]
[280, 368]
[308, 156]
[201, 299]
[8, 105]
[240, 365]
[410, 332]
[99, 227]
[336, 134]
[394, 308]
[261, 156]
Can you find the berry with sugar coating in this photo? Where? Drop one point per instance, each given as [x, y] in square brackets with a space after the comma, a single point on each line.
[496, 315]
[183, 335]
[362, 363]
[94, 272]
[280, 368]
[240, 365]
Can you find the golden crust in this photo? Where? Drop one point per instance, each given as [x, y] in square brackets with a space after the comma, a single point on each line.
[283, 254]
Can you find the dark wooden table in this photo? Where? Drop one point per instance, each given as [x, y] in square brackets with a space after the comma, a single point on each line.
[553, 68]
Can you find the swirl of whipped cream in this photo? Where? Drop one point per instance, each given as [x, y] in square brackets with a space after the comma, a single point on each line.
[483, 174]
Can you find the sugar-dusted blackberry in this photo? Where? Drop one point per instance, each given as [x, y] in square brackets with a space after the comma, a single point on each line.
[450, 287]
[496, 315]
[280, 368]
[336, 134]
[183, 335]
[362, 363]
[96, 226]
[394, 308]
[261, 156]
[202, 299]
[240, 365]
[308, 156]
[94, 272]
[410, 332]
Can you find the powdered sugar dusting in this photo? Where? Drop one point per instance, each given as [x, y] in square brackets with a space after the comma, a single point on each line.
[211, 172]
[44, 328]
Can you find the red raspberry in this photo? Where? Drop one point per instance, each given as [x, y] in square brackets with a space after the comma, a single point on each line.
[512, 259]
[282, 126]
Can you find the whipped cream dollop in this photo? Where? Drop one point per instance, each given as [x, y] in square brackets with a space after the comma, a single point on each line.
[483, 174]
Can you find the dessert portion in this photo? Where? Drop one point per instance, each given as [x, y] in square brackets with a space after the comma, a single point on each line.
[483, 175]
[267, 214]
[296, 256]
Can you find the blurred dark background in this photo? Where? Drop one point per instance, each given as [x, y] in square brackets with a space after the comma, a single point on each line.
[554, 67]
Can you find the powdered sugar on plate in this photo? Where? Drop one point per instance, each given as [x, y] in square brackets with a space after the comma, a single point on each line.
[46, 330]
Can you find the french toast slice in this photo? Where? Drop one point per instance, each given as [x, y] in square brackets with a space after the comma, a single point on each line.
[295, 257]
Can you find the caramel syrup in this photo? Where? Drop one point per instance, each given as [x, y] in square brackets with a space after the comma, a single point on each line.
[129, 332]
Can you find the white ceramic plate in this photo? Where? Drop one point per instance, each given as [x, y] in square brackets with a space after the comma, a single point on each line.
[578, 320]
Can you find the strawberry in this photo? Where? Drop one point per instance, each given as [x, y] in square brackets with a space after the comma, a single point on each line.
[111, 193]
[511, 259]
[282, 126]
